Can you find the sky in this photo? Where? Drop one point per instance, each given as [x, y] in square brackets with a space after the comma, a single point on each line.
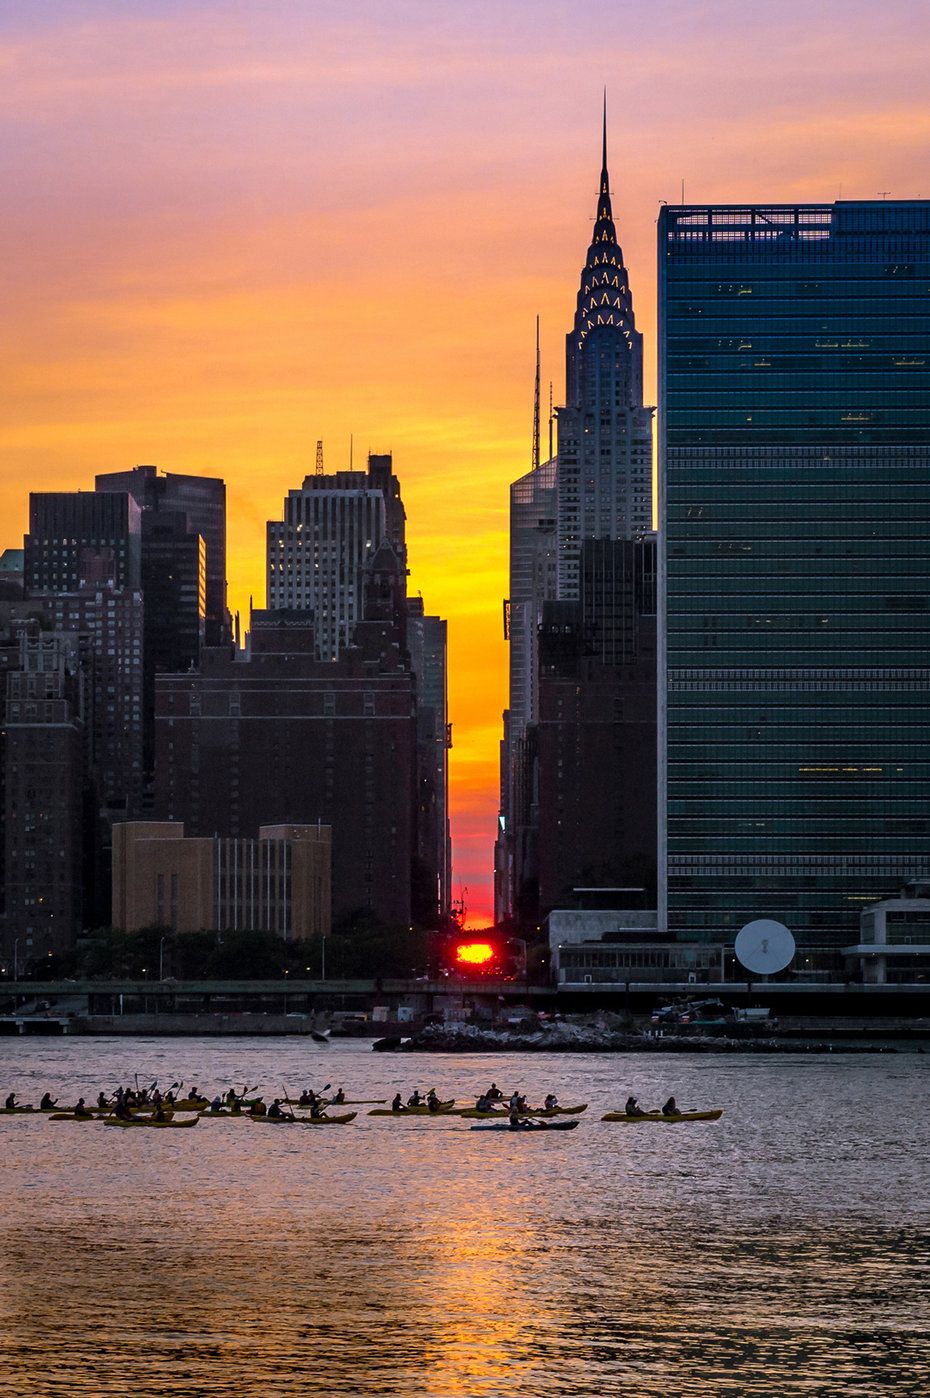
[230, 229]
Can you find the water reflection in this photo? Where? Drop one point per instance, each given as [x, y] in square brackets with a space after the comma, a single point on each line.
[774, 1254]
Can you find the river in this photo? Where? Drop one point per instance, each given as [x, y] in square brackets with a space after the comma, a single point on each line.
[782, 1250]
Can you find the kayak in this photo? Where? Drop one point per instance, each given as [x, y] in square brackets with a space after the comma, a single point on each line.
[307, 1120]
[525, 1126]
[159, 1125]
[444, 1109]
[72, 1116]
[658, 1116]
[346, 1102]
[530, 1111]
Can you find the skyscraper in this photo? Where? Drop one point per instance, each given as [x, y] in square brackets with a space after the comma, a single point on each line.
[68, 529]
[44, 783]
[795, 488]
[427, 645]
[201, 501]
[598, 487]
[604, 431]
[317, 555]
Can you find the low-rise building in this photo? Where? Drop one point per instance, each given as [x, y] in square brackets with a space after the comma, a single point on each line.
[894, 938]
[280, 882]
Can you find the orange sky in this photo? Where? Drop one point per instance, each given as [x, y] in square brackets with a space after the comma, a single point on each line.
[227, 230]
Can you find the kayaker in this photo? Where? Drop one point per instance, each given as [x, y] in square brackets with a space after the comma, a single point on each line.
[277, 1114]
[516, 1121]
[432, 1101]
[231, 1097]
[194, 1096]
[102, 1099]
[551, 1101]
[80, 1109]
[10, 1102]
[633, 1108]
[307, 1098]
[415, 1100]
[483, 1103]
[671, 1108]
[217, 1104]
[121, 1110]
[494, 1093]
[47, 1104]
[339, 1096]
[317, 1110]
[156, 1098]
[159, 1113]
[397, 1104]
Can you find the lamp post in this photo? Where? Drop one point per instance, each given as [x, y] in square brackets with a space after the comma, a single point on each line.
[16, 958]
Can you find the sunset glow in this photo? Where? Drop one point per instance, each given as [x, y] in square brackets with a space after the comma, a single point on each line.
[474, 953]
[230, 230]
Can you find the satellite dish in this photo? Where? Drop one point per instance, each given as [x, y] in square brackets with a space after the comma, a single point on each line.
[764, 946]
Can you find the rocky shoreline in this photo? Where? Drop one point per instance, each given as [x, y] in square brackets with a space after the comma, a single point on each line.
[572, 1038]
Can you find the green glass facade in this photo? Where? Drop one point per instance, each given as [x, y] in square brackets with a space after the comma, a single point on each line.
[794, 438]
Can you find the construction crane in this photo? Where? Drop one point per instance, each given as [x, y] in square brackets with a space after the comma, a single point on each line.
[319, 458]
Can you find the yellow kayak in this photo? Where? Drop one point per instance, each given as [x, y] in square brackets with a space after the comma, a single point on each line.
[444, 1109]
[660, 1117]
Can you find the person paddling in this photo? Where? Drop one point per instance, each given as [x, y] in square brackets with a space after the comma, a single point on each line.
[397, 1105]
[494, 1093]
[121, 1110]
[47, 1104]
[81, 1110]
[415, 1100]
[551, 1102]
[276, 1113]
[671, 1108]
[432, 1101]
[483, 1103]
[11, 1102]
[339, 1096]
[632, 1107]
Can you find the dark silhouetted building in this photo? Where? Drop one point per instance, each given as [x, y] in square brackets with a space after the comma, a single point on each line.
[276, 736]
[427, 644]
[598, 487]
[201, 500]
[596, 732]
[43, 769]
[69, 530]
[318, 555]
[795, 488]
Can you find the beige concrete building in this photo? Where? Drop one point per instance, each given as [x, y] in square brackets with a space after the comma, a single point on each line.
[279, 883]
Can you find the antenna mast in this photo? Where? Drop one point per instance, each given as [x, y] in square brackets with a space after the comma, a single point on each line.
[536, 406]
[319, 457]
[550, 419]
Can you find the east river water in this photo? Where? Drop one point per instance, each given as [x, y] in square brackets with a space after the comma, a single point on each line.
[783, 1250]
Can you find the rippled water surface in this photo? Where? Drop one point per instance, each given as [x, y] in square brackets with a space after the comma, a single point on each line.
[783, 1250]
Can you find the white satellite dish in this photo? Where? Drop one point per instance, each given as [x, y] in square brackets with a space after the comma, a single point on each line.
[764, 946]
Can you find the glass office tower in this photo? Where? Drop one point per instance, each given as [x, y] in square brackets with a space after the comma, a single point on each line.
[795, 563]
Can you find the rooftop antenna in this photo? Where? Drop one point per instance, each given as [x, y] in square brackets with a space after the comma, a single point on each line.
[550, 419]
[351, 448]
[884, 193]
[536, 406]
[319, 457]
